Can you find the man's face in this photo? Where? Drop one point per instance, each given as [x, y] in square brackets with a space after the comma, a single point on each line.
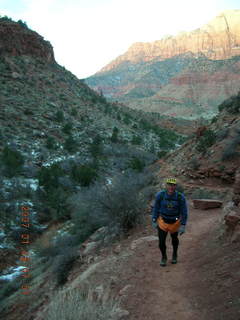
[171, 188]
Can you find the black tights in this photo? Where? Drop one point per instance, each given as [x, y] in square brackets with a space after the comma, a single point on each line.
[162, 241]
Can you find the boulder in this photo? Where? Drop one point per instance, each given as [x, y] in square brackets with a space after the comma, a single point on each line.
[232, 219]
[90, 247]
[232, 223]
[205, 204]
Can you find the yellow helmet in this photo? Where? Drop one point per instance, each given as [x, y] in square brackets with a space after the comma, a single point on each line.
[171, 180]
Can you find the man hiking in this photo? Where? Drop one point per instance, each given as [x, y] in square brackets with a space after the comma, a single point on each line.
[169, 213]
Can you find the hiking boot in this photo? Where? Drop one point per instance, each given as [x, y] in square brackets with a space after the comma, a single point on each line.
[174, 258]
[163, 261]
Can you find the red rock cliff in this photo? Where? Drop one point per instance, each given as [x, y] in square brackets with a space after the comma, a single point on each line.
[16, 40]
[219, 39]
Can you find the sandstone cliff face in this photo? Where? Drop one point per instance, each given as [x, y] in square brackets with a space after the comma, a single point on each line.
[185, 76]
[17, 41]
[219, 39]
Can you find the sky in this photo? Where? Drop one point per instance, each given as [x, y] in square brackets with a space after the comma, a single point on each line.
[88, 34]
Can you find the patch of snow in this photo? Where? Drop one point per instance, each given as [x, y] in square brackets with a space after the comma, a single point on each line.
[58, 159]
[14, 273]
[109, 181]
[34, 184]
[2, 233]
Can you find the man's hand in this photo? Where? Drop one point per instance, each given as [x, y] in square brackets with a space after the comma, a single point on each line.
[181, 230]
[154, 223]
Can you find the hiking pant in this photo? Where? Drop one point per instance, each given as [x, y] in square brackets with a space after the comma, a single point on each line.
[162, 241]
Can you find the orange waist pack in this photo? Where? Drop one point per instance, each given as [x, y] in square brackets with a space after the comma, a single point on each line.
[171, 227]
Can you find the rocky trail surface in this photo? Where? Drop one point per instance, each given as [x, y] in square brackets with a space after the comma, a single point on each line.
[204, 284]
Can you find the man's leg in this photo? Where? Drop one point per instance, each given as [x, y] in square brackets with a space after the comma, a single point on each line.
[162, 245]
[175, 243]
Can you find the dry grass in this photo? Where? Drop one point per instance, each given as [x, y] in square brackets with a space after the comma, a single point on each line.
[83, 305]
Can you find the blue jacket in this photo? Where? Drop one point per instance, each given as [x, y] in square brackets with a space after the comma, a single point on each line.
[171, 207]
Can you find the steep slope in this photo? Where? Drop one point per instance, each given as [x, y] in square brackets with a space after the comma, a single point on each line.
[213, 151]
[188, 78]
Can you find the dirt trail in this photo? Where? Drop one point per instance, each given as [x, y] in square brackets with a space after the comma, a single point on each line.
[187, 290]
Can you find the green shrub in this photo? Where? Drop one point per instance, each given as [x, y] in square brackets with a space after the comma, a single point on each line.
[59, 116]
[74, 112]
[96, 147]
[48, 176]
[51, 143]
[6, 18]
[222, 134]
[23, 24]
[12, 161]
[114, 137]
[67, 128]
[230, 150]
[126, 120]
[70, 144]
[136, 164]
[161, 154]
[206, 141]
[56, 200]
[28, 111]
[136, 140]
[9, 287]
[231, 105]
[214, 119]
[84, 174]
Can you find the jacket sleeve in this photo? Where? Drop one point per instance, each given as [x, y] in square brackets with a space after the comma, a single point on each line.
[156, 207]
[183, 211]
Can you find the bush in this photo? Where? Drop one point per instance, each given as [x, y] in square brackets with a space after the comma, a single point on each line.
[12, 160]
[114, 137]
[74, 112]
[230, 151]
[119, 204]
[67, 128]
[63, 265]
[96, 147]
[9, 287]
[23, 24]
[48, 176]
[59, 116]
[51, 143]
[206, 141]
[136, 140]
[194, 163]
[222, 134]
[136, 164]
[231, 105]
[84, 174]
[70, 144]
[56, 199]
[161, 154]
